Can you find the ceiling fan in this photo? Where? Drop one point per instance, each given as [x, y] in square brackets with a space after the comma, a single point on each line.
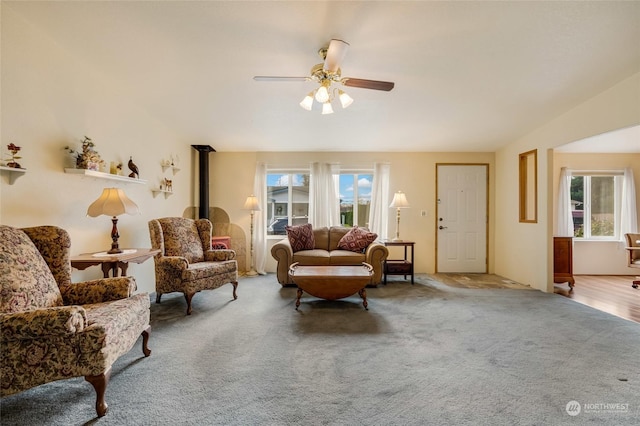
[329, 72]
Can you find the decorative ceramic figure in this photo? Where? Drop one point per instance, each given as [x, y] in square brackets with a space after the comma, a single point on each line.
[134, 169]
[14, 149]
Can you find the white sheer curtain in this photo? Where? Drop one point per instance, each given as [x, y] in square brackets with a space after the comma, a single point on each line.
[259, 226]
[629, 210]
[379, 209]
[565, 218]
[324, 199]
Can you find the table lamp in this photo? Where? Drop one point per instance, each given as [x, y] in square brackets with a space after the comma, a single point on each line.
[399, 202]
[113, 202]
[253, 205]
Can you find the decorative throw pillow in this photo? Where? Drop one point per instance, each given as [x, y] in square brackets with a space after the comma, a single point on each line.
[301, 237]
[357, 240]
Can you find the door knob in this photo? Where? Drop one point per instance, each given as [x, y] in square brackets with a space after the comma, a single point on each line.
[442, 227]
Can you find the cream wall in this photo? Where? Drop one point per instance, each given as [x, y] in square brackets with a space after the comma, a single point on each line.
[597, 257]
[413, 172]
[523, 250]
[51, 99]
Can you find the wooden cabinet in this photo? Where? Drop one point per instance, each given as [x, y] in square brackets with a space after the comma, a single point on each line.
[563, 260]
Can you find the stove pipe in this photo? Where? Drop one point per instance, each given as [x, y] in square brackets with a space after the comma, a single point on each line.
[203, 175]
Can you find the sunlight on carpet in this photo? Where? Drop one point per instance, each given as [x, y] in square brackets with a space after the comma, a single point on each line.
[478, 281]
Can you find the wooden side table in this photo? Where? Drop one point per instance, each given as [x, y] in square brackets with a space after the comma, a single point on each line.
[112, 262]
[399, 266]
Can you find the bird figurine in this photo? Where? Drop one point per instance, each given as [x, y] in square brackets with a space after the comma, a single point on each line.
[134, 169]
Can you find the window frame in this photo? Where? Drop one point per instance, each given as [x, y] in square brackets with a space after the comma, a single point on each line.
[356, 173]
[290, 203]
[618, 176]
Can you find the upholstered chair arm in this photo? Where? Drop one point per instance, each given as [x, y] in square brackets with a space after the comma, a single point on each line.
[37, 323]
[172, 262]
[634, 257]
[98, 291]
[375, 256]
[219, 255]
[283, 254]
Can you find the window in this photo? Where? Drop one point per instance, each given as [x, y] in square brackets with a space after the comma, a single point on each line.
[355, 198]
[287, 201]
[595, 205]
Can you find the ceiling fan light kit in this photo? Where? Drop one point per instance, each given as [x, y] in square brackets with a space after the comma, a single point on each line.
[307, 102]
[322, 93]
[345, 99]
[327, 108]
[327, 73]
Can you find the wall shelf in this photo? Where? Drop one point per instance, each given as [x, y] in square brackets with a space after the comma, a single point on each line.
[173, 168]
[108, 176]
[161, 191]
[13, 173]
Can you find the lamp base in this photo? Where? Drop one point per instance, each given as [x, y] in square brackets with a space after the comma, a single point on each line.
[397, 240]
[251, 273]
[115, 247]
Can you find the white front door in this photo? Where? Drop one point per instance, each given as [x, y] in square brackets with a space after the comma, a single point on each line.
[462, 218]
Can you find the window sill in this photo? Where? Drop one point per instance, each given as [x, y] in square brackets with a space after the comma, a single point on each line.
[276, 237]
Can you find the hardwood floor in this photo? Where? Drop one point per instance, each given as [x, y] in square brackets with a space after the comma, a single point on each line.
[608, 293]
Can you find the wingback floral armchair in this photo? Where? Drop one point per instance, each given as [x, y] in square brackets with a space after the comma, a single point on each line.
[53, 329]
[187, 263]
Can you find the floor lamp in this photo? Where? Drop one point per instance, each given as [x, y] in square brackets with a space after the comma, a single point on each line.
[399, 202]
[253, 205]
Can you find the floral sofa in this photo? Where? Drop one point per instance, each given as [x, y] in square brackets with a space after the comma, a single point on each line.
[328, 246]
[187, 263]
[53, 329]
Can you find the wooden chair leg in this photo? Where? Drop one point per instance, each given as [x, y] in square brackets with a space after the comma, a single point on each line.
[188, 297]
[145, 341]
[235, 287]
[99, 383]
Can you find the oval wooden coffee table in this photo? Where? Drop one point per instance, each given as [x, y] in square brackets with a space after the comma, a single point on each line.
[332, 282]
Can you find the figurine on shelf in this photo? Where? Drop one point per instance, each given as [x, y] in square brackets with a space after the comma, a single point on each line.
[168, 185]
[89, 157]
[14, 149]
[134, 169]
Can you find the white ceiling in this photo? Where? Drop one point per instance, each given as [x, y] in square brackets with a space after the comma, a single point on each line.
[470, 76]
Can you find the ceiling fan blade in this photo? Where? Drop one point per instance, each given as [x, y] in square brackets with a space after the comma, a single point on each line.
[335, 54]
[368, 84]
[275, 78]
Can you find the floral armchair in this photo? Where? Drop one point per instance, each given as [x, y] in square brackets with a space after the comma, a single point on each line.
[187, 263]
[53, 329]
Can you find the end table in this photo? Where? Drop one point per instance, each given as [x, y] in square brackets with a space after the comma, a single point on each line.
[112, 262]
[399, 266]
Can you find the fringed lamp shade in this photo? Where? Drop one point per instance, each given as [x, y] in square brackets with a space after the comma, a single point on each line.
[113, 202]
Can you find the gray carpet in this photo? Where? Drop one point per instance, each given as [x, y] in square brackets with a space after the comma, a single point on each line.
[424, 354]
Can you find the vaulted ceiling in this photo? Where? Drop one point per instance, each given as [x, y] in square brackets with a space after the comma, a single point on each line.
[469, 76]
